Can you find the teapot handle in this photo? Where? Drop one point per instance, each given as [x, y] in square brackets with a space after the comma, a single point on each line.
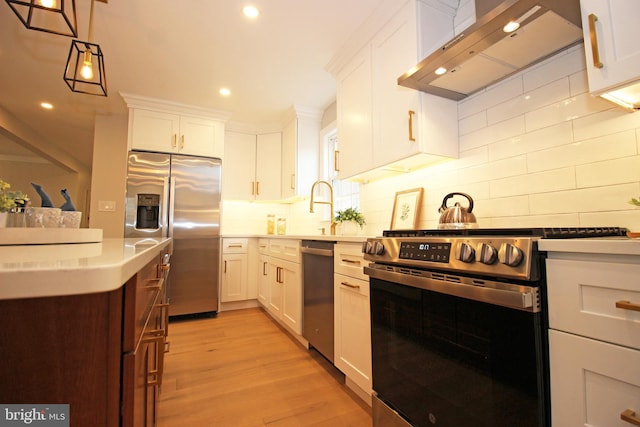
[450, 195]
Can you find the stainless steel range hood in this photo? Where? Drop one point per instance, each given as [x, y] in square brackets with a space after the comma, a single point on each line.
[484, 54]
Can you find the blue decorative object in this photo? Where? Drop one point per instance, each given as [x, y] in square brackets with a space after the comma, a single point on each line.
[46, 200]
[68, 205]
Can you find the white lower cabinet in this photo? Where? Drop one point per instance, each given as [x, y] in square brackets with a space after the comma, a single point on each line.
[593, 383]
[594, 339]
[280, 281]
[234, 282]
[352, 316]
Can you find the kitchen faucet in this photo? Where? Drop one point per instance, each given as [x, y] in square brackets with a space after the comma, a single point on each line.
[330, 203]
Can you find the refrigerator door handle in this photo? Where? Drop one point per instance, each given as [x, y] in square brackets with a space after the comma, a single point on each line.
[169, 200]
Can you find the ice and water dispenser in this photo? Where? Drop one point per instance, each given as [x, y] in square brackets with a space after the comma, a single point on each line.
[148, 212]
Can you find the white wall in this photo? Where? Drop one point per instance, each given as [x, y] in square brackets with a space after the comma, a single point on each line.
[535, 150]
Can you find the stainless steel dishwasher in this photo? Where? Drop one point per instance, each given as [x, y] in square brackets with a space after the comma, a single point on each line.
[317, 289]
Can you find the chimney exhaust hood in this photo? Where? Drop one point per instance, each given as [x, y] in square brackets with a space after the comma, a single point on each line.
[484, 53]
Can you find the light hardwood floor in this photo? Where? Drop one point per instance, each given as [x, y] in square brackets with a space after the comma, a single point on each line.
[241, 369]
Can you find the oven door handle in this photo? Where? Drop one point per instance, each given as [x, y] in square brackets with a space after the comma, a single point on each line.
[519, 297]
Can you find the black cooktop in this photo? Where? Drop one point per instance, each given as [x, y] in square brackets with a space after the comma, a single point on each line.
[544, 232]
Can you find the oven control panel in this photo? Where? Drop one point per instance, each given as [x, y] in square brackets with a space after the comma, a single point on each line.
[425, 251]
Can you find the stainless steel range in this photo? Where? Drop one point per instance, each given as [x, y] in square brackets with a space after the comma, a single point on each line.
[459, 326]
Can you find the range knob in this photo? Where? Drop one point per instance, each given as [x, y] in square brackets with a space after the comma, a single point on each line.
[365, 247]
[510, 255]
[486, 253]
[465, 252]
[377, 249]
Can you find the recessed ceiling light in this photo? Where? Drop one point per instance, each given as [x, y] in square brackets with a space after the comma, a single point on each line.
[440, 71]
[46, 105]
[224, 91]
[251, 11]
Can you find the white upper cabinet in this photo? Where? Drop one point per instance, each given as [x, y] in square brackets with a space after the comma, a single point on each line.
[611, 34]
[166, 127]
[354, 111]
[252, 166]
[386, 126]
[300, 153]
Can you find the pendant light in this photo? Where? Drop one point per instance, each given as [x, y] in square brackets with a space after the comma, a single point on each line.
[85, 65]
[50, 16]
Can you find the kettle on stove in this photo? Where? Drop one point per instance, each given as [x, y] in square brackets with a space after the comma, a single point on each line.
[457, 216]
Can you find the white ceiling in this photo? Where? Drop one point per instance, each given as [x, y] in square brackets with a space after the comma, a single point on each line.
[182, 51]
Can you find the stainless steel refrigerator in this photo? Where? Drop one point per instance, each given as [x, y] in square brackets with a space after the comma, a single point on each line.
[179, 196]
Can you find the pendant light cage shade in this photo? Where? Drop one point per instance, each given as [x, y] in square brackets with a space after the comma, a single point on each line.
[50, 16]
[85, 69]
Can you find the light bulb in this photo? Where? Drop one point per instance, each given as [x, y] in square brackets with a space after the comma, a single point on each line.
[48, 3]
[87, 69]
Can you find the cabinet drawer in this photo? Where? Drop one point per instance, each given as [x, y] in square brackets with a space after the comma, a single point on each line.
[263, 246]
[592, 382]
[142, 292]
[348, 260]
[286, 249]
[235, 246]
[585, 299]
[350, 284]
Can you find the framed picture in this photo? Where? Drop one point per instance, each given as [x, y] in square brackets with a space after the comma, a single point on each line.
[406, 209]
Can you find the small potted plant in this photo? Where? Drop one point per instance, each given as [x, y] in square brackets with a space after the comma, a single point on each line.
[349, 216]
[10, 201]
[634, 202]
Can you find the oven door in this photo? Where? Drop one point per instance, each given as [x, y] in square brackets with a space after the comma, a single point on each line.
[445, 360]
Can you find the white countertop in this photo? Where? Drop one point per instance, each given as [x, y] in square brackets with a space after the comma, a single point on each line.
[596, 245]
[28, 271]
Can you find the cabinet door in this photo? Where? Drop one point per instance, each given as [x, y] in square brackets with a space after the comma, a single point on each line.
[268, 166]
[616, 39]
[154, 131]
[592, 382]
[238, 169]
[263, 279]
[291, 295]
[234, 277]
[300, 152]
[201, 137]
[354, 104]
[353, 329]
[396, 116]
[275, 292]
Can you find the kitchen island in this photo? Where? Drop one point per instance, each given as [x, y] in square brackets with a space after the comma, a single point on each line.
[84, 325]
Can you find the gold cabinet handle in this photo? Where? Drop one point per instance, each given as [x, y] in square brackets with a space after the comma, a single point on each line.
[293, 181]
[182, 142]
[594, 41]
[235, 245]
[156, 284]
[336, 159]
[630, 416]
[627, 305]
[174, 143]
[349, 285]
[225, 266]
[253, 188]
[264, 268]
[351, 261]
[257, 188]
[411, 137]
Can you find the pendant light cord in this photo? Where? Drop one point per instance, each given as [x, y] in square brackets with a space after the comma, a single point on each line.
[91, 21]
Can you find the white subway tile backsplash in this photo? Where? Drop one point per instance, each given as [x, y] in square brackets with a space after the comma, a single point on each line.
[511, 166]
[594, 199]
[541, 139]
[593, 150]
[499, 131]
[611, 172]
[543, 182]
[567, 109]
[578, 83]
[494, 95]
[472, 123]
[502, 207]
[606, 122]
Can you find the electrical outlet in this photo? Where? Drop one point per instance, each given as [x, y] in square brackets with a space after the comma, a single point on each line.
[106, 206]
